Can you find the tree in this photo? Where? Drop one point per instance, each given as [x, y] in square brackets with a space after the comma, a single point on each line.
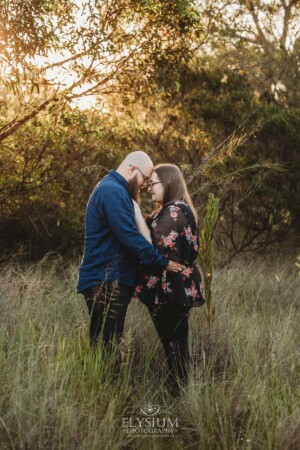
[260, 38]
[209, 120]
[67, 50]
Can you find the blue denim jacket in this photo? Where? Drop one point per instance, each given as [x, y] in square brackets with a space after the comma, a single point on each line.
[113, 246]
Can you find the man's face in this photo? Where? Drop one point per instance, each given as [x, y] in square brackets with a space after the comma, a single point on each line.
[139, 181]
[143, 175]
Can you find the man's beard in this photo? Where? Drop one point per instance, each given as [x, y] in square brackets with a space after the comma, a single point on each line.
[133, 189]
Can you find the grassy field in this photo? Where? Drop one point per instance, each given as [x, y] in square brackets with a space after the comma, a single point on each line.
[244, 391]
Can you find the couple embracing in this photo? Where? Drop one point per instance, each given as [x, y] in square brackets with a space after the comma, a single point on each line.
[153, 260]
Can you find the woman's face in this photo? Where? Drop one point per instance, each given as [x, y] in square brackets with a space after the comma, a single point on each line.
[156, 188]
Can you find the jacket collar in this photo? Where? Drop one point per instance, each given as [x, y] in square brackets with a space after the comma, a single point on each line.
[113, 173]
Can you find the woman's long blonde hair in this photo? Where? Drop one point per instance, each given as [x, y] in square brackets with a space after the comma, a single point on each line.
[174, 185]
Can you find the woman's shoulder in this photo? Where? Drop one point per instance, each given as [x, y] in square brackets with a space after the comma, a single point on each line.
[172, 212]
[177, 204]
[176, 210]
[183, 212]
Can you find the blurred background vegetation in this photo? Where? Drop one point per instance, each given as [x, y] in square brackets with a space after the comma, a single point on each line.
[212, 86]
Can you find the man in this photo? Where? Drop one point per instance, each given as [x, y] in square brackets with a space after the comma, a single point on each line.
[114, 247]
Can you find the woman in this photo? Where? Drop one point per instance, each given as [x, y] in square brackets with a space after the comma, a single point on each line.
[169, 296]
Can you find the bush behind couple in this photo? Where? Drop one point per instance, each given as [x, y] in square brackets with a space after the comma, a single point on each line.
[153, 260]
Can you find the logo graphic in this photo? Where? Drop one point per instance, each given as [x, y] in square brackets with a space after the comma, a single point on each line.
[150, 410]
[151, 422]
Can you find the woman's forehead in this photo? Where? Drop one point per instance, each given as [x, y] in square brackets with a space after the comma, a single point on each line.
[154, 176]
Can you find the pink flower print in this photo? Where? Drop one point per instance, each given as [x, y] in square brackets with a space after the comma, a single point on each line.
[173, 235]
[188, 292]
[167, 242]
[154, 224]
[194, 291]
[188, 233]
[152, 280]
[192, 238]
[166, 287]
[138, 289]
[187, 271]
[174, 215]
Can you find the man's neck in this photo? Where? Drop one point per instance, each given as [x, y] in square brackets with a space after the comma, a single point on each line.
[122, 172]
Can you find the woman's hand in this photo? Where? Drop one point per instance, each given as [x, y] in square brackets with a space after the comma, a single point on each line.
[175, 267]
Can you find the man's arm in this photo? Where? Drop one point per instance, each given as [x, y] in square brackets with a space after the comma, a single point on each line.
[119, 211]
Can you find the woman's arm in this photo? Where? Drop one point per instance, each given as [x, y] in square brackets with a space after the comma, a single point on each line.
[140, 222]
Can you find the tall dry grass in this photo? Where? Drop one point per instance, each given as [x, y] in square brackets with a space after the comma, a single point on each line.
[244, 391]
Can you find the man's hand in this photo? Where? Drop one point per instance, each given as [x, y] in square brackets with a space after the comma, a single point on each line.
[175, 266]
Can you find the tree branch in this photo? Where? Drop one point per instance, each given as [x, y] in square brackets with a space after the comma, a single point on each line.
[286, 20]
[15, 125]
[250, 7]
[60, 63]
[91, 90]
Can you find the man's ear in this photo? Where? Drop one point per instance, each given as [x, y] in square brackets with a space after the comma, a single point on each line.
[132, 169]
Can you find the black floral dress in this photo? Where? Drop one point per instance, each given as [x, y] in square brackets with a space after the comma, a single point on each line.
[174, 233]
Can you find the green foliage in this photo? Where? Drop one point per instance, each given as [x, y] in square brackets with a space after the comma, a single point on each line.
[158, 87]
[50, 170]
[69, 49]
[227, 141]
[244, 387]
[260, 39]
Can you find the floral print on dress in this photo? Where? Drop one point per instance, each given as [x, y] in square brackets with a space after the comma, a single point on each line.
[173, 212]
[192, 291]
[166, 287]
[170, 240]
[187, 272]
[153, 218]
[138, 288]
[154, 224]
[152, 280]
[192, 238]
[174, 233]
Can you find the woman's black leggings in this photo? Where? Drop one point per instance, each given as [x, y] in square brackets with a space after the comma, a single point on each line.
[172, 325]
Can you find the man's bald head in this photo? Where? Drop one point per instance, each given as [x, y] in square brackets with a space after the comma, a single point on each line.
[138, 166]
[141, 160]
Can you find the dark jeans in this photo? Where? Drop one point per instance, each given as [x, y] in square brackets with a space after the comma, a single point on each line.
[107, 305]
[172, 325]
